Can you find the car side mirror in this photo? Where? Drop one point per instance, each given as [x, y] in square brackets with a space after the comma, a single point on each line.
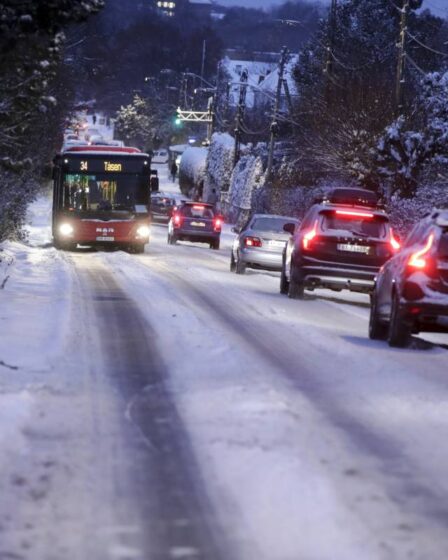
[289, 228]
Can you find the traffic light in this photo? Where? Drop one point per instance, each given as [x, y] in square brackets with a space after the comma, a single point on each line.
[177, 118]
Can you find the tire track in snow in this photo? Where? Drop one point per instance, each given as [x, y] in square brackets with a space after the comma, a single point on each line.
[406, 485]
[180, 520]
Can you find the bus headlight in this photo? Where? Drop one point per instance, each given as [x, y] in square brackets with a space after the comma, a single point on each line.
[143, 231]
[66, 230]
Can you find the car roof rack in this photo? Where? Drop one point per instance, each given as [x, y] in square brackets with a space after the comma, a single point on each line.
[351, 197]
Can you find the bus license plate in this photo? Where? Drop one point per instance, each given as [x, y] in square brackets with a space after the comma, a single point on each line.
[354, 248]
[105, 238]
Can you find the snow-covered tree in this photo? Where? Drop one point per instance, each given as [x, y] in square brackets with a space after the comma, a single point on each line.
[31, 115]
[135, 123]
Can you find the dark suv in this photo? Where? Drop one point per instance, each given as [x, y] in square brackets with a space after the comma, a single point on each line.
[411, 290]
[195, 221]
[341, 243]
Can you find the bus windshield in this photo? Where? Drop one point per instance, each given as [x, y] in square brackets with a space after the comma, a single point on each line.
[103, 193]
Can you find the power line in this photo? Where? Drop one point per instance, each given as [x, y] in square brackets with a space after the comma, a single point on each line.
[415, 65]
[426, 46]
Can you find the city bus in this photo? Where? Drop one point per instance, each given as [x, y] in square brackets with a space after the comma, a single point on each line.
[101, 197]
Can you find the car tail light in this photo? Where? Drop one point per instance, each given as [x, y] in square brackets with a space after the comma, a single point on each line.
[177, 220]
[252, 242]
[419, 260]
[217, 224]
[354, 214]
[198, 206]
[309, 236]
[395, 244]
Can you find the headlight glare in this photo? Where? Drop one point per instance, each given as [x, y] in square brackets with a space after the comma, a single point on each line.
[66, 229]
[143, 231]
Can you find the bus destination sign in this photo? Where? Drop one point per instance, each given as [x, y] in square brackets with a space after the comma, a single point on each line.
[96, 165]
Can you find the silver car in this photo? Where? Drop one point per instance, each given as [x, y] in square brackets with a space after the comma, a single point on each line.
[260, 243]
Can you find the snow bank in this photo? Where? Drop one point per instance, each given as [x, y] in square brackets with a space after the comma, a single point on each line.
[247, 178]
[219, 165]
[192, 169]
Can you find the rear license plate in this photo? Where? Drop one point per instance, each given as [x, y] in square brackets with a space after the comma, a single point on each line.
[274, 243]
[198, 224]
[105, 238]
[353, 248]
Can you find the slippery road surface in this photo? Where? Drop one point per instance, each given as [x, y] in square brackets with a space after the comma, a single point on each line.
[163, 407]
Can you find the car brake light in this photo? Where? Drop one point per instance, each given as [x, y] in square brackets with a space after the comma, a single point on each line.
[177, 219]
[354, 214]
[396, 245]
[418, 260]
[253, 242]
[308, 237]
[198, 207]
[217, 224]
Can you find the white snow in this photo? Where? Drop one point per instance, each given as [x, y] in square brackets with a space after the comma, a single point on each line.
[313, 441]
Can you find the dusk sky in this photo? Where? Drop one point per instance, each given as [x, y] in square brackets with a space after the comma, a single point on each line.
[439, 7]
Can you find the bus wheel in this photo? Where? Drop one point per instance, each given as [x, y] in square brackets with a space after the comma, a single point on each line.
[138, 248]
[65, 246]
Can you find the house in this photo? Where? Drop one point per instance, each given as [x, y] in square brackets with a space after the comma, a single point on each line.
[259, 65]
[267, 88]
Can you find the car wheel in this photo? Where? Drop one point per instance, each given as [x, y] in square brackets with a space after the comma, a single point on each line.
[232, 262]
[215, 244]
[296, 284]
[399, 331]
[172, 239]
[377, 329]
[240, 267]
[284, 284]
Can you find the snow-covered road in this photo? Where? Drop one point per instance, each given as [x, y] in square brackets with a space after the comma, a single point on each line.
[158, 406]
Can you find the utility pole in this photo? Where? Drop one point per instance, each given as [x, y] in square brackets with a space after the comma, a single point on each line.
[211, 115]
[274, 124]
[204, 46]
[330, 47]
[400, 79]
[239, 115]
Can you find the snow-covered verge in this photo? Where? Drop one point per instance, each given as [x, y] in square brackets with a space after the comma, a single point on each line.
[247, 180]
[219, 165]
[192, 170]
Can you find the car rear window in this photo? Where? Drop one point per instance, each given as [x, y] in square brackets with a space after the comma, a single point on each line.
[274, 225]
[163, 201]
[367, 227]
[197, 212]
[443, 246]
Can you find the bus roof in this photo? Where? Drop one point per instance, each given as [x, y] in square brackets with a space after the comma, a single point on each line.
[104, 150]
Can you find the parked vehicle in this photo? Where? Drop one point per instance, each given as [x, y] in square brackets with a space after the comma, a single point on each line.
[163, 205]
[260, 243]
[197, 222]
[341, 244]
[160, 156]
[411, 290]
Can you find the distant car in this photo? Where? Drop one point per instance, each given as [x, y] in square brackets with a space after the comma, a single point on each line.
[70, 136]
[260, 243]
[70, 143]
[92, 133]
[341, 243]
[197, 222]
[162, 206]
[411, 290]
[97, 140]
[160, 156]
